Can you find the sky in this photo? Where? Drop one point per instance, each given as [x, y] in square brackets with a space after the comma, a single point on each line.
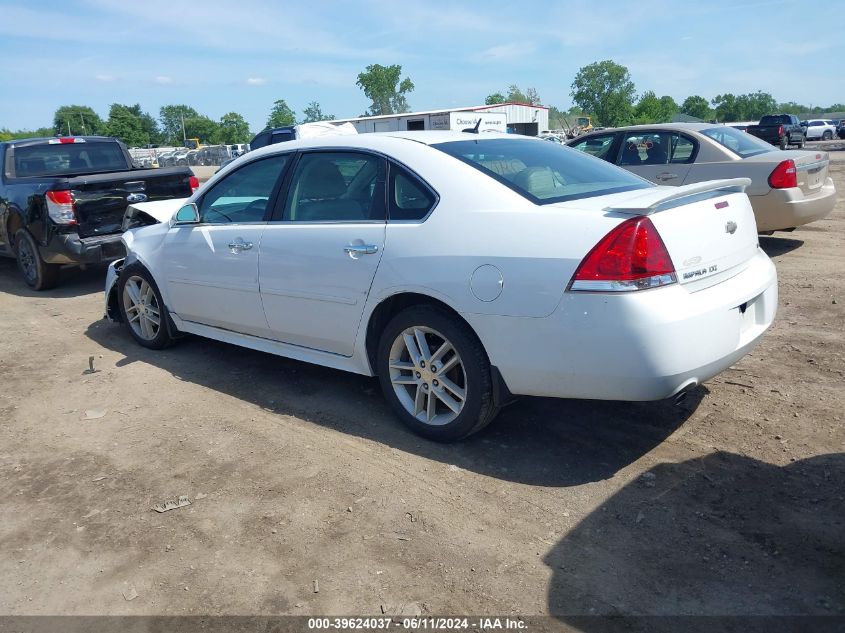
[242, 55]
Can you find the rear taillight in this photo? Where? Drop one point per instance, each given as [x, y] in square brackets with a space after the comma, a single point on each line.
[194, 182]
[784, 176]
[780, 131]
[631, 257]
[60, 207]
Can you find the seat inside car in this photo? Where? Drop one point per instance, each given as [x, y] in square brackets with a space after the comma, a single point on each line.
[656, 154]
[317, 196]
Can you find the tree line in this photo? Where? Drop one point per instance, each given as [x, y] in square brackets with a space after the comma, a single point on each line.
[603, 90]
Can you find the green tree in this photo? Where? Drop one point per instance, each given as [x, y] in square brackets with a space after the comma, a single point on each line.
[650, 109]
[493, 99]
[125, 124]
[201, 127]
[726, 107]
[233, 129]
[281, 115]
[515, 95]
[171, 117]
[698, 107]
[7, 135]
[747, 107]
[605, 89]
[77, 120]
[386, 89]
[756, 105]
[313, 112]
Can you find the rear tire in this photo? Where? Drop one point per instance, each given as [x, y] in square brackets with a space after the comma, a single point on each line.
[38, 274]
[784, 142]
[142, 309]
[442, 395]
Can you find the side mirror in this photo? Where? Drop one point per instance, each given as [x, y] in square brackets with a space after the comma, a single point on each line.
[189, 214]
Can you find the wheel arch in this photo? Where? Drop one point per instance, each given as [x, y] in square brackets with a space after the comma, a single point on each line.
[393, 304]
[13, 224]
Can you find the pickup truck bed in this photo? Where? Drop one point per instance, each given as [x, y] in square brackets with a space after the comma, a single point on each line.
[782, 130]
[62, 201]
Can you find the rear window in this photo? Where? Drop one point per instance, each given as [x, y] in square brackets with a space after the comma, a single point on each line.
[67, 159]
[774, 119]
[740, 143]
[543, 172]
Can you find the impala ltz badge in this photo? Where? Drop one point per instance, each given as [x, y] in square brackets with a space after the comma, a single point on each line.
[730, 227]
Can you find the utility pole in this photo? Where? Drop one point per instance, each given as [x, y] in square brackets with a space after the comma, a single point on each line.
[81, 118]
[182, 115]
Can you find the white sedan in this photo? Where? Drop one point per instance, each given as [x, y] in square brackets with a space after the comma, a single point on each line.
[460, 269]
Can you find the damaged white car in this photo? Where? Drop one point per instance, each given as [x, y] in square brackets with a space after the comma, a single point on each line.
[461, 269]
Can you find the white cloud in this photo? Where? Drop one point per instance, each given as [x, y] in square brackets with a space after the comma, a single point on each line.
[105, 78]
[256, 81]
[163, 80]
[505, 52]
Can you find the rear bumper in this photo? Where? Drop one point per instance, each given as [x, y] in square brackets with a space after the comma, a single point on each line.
[787, 208]
[647, 345]
[69, 248]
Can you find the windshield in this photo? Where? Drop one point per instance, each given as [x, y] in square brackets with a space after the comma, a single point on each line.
[740, 143]
[543, 172]
[64, 159]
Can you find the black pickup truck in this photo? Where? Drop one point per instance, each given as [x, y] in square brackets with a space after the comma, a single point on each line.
[782, 130]
[62, 201]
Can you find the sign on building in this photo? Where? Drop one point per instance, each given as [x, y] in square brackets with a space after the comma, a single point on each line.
[490, 121]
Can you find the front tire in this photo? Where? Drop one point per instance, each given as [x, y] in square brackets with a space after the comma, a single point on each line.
[827, 135]
[38, 274]
[435, 374]
[142, 308]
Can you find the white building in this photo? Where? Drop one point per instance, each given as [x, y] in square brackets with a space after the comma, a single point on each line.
[517, 118]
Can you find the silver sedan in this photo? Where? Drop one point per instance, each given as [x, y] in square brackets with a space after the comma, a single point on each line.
[789, 188]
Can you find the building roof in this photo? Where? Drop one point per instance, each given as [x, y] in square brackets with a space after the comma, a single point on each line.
[440, 111]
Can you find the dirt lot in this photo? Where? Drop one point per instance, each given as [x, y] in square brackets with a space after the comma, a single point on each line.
[732, 504]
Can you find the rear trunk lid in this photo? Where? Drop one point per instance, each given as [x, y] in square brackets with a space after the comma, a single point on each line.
[708, 228]
[100, 200]
[811, 167]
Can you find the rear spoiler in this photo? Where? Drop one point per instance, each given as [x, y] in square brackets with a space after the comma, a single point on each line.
[662, 198]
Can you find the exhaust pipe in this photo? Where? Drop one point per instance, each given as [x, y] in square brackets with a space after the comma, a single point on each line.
[679, 397]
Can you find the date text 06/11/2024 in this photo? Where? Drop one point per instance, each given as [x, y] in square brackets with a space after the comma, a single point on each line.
[417, 623]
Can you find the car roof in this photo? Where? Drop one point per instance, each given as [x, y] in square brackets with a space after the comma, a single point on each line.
[42, 140]
[384, 140]
[680, 126]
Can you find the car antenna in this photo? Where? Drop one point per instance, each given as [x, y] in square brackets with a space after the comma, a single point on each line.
[474, 129]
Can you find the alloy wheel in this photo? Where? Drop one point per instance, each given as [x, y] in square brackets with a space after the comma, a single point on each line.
[27, 260]
[428, 375]
[141, 307]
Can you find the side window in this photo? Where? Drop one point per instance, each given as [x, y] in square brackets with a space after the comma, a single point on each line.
[598, 146]
[242, 196]
[336, 187]
[409, 198]
[683, 149]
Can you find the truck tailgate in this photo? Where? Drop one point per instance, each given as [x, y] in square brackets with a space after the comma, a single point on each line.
[100, 200]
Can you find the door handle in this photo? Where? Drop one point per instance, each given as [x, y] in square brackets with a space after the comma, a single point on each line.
[666, 176]
[360, 249]
[239, 245]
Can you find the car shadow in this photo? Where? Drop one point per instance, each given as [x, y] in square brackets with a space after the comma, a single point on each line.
[720, 535]
[536, 441]
[74, 281]
[777, 246]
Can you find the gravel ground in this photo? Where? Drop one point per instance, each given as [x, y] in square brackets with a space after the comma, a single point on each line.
[730, 504]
